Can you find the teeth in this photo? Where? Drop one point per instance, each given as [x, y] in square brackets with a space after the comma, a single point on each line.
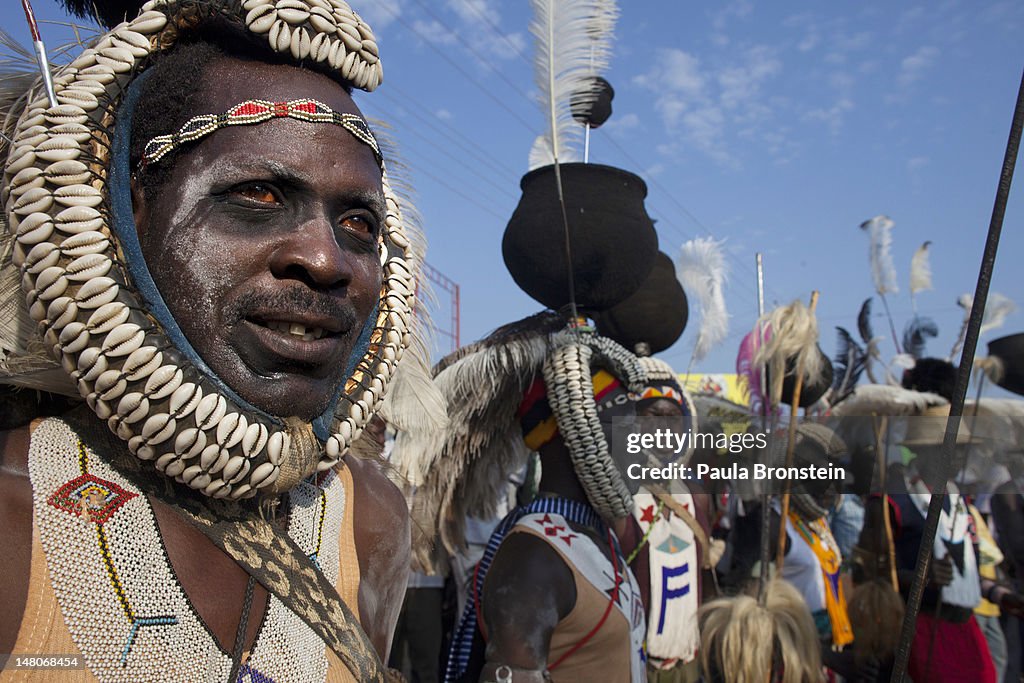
[297, 329]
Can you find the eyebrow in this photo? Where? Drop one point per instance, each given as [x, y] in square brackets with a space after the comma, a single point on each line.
[371, 199]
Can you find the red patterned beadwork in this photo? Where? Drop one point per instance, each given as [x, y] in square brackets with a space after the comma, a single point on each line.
[90, 497]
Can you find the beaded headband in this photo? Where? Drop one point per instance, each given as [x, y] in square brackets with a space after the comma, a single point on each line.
[257, 111]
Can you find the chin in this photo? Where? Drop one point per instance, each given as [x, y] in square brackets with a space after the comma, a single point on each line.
[281, 397]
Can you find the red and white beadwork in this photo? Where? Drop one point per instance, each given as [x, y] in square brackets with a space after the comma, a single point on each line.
[257, 111]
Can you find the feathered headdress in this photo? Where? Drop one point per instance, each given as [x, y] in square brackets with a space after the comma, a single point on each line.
[790, 337]
[702, 272]
[997, 309]
[573, 39]
[850, 362]
[920, 273]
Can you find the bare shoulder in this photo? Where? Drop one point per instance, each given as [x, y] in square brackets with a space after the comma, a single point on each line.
[383, 538]
[16, 521]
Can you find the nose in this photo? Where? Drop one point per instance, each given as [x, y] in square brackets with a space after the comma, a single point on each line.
[311, 253]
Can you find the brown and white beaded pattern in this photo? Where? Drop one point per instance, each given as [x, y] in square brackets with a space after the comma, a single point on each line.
[286, 649]
[567, 376]
[657, 369]
[80, 295]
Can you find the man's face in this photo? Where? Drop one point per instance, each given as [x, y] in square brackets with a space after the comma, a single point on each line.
[263, 241]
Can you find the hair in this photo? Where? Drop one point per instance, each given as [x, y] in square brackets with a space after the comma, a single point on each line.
[876, 615]
[172, 91]
[744, 642]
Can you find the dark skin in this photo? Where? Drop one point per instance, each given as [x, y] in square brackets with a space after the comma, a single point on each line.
[248, 235]
[529, 588]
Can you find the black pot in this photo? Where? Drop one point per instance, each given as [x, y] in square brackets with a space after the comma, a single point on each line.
[655, 314]
[1010, 350]
[809, 393]
[612, 237]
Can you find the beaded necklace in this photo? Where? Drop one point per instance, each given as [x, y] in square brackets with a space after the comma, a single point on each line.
[120, 597]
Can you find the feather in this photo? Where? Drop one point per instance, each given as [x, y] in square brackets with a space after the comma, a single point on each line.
[997, 309]
[573, 45]
[883, 271]
[109, 13]
[482, 384]
[864, 322]
[920, 270]
[702, 272]
[850, 362]
[916, 335]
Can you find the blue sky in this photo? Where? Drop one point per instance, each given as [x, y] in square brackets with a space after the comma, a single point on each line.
[778, 127]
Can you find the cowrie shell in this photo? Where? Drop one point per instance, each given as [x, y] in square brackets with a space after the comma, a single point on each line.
[77, 194]
[280, 36]
[295, 13]
[80, 244]
[81, 98]
[110, 385]
[216, 489]
[76, 219]
[149, 22]
[142, 363]
[277, 446]
[119, 59]
[68, 173]
[123, 340]
[254, 440]
[189, 442]
[235, 469]
[174, 469]
[164, 460]
[261, 18]
[96, 292]
[61, 312]
[92, 364]
[133, 407]
[100, 73]
[158, 428]
[231, 429]
[34, 200]
[321, 20]
[320, 47]
[28, 178]
[210, 411]
[135, 43]
[200, 481]
[88, 266]
[261, 474]
[300, 43]
[107, 317]
[66, 113]
[242, 491]
[163, 382]
[51, 283]
[42, 256]
[185, 399]
[21, 158]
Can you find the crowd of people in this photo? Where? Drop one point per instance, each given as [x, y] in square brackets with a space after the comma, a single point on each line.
[225, 454]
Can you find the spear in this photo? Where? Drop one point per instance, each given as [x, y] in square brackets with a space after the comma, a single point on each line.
[44, 63]
[956, 408]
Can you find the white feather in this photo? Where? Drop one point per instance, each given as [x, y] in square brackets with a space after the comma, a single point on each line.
[883, 271]
[573, 42]
[920, 270]
[702, 273]
[997, 309]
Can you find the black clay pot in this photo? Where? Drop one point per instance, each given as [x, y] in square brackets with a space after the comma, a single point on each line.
[613, 239]
[655, 314]
[809, 393]
[1010, 350]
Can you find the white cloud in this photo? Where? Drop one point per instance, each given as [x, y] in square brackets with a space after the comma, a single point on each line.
[917, 163]
[623, 122]
[380, 13]
[473, 11]
[742, 84]
[434, 32]
[913, 67]
[830, 116]
[443, 114]
[675, 71]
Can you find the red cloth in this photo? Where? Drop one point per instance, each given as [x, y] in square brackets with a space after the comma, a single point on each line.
[960, 653]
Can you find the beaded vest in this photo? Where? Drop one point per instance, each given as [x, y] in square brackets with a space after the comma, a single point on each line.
[118, 593]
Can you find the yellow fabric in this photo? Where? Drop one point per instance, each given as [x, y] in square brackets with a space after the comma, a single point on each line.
[42, 629]
[831, 563]
[989, 558]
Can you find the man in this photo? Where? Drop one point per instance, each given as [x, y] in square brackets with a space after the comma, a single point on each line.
[672, 553]
[552, 595]
[232, 315]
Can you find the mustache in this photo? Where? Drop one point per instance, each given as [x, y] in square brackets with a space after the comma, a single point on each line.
[293, 299]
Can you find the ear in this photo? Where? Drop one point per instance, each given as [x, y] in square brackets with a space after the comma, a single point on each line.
[140, 210]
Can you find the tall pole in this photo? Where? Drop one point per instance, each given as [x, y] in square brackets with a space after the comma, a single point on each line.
[956, 408]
